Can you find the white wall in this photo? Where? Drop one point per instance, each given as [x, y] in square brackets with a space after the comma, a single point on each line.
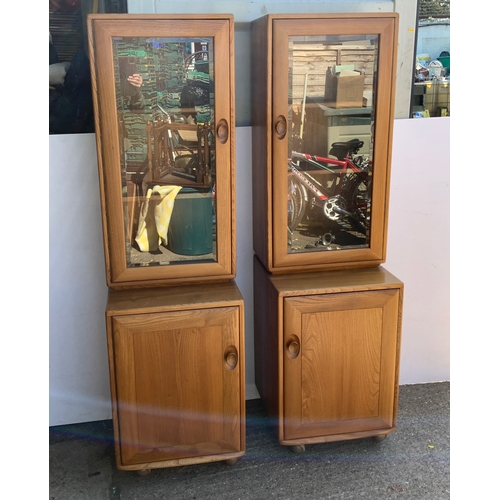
[418, 254]
[78, 371]
[418, 249]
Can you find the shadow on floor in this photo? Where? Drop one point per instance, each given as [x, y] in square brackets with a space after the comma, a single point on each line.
[412, 463]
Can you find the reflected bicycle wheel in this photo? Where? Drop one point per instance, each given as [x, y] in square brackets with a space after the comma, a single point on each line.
[297, 200]
[358, 193]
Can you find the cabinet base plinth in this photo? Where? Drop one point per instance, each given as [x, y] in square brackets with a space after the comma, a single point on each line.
[335, 438]
[145, 469]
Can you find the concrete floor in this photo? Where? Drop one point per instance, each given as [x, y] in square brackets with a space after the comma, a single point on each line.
[413, 463]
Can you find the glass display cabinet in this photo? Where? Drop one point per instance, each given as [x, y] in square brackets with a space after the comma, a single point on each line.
[164, 113]
[323, 93]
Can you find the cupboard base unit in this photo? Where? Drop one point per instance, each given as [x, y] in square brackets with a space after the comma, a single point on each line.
[327, 353]
[176, 359]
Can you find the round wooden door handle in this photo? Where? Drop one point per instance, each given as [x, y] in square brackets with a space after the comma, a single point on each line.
[231, 358]
[280, 127]
[222, 131]
[293, 347]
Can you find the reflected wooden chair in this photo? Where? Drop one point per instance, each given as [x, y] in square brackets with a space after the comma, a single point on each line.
[178, 153]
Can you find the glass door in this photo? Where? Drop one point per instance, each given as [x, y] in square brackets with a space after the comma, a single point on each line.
[164, 99]
[332, 100]
[166, 110]
[331, 94]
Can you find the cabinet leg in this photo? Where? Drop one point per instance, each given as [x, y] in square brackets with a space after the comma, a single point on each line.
[299, 448]
[231, 461]
[144, 472]
[379, 439]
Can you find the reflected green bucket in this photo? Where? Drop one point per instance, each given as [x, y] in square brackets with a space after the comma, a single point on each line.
[190, 228]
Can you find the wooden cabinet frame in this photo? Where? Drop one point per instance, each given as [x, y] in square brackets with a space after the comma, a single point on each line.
[103, 29]
[177, 374]
[327, 347]
[270, 39]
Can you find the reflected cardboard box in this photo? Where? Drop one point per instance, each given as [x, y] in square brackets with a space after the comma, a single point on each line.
[344, 89]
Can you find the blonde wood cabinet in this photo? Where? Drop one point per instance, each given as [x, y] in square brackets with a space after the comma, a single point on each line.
[176, 358]
[323, 93]
[327, 353]
[163, 90]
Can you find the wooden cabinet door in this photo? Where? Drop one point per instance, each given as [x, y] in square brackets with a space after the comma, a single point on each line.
[340, 363]
[308, 196]
[166, 141]
[177, 384]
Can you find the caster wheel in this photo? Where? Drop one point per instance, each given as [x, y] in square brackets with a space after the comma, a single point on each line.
[144, 472]
[299, 448]
[230, 461]
[379, 439]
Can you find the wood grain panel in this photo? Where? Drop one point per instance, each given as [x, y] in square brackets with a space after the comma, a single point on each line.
[175, 396]
[267, 325]
[343, 379]
[261, 143]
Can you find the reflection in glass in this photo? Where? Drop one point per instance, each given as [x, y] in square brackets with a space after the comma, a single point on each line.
[165, 102]
[331, 95]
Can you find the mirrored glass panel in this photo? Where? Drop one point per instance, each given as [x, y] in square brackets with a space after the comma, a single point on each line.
[331, 95]
[165, 101]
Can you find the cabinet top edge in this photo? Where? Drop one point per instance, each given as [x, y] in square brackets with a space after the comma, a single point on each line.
[130, 301]
[330, 15]
[341, 280]
[159, 17]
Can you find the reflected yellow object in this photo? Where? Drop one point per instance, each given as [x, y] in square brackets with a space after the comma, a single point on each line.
[156, 212]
